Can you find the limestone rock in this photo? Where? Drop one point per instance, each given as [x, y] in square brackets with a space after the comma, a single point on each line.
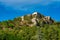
[35, 18]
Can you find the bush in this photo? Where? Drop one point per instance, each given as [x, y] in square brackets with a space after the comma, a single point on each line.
[48, 32]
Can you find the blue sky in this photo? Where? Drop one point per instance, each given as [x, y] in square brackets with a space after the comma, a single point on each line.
[10, 9]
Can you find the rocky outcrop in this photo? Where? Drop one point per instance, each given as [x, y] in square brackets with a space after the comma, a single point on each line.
[22, 18]
[48, 20]
[37, 15]
[33, 19]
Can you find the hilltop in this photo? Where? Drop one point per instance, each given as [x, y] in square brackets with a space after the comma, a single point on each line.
[34, 19]
[33, 26]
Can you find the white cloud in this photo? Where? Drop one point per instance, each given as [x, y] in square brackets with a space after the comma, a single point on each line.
[19, 4]
[25, 1]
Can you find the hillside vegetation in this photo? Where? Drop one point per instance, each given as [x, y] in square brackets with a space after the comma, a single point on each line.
[32, 27]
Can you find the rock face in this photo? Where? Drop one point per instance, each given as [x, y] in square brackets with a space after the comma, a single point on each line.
[48, 20]
[37, 15]
[35, 19]
[22, 18]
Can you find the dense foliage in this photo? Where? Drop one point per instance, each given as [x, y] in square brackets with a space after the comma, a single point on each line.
[12, 30]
